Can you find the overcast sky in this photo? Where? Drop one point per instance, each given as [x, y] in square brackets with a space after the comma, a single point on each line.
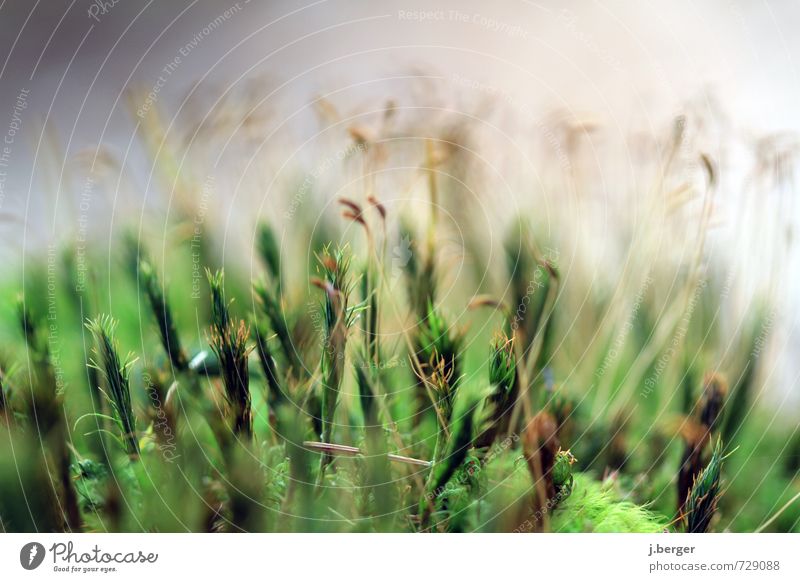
[623, 56]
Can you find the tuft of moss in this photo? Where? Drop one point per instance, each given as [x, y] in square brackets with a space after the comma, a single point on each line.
[156, 296]
[229, 342]
[595, 507]
[116, 373]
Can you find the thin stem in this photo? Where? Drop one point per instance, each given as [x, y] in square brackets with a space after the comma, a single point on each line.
[766, 524]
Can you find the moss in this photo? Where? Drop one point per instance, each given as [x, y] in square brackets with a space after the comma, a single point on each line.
[594, 507]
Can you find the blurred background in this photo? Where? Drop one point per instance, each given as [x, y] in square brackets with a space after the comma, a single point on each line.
[564, 108]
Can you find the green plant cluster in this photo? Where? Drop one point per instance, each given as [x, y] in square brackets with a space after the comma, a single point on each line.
[339, 403]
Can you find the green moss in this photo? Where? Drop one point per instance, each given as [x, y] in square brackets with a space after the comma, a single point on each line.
[595, 507]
